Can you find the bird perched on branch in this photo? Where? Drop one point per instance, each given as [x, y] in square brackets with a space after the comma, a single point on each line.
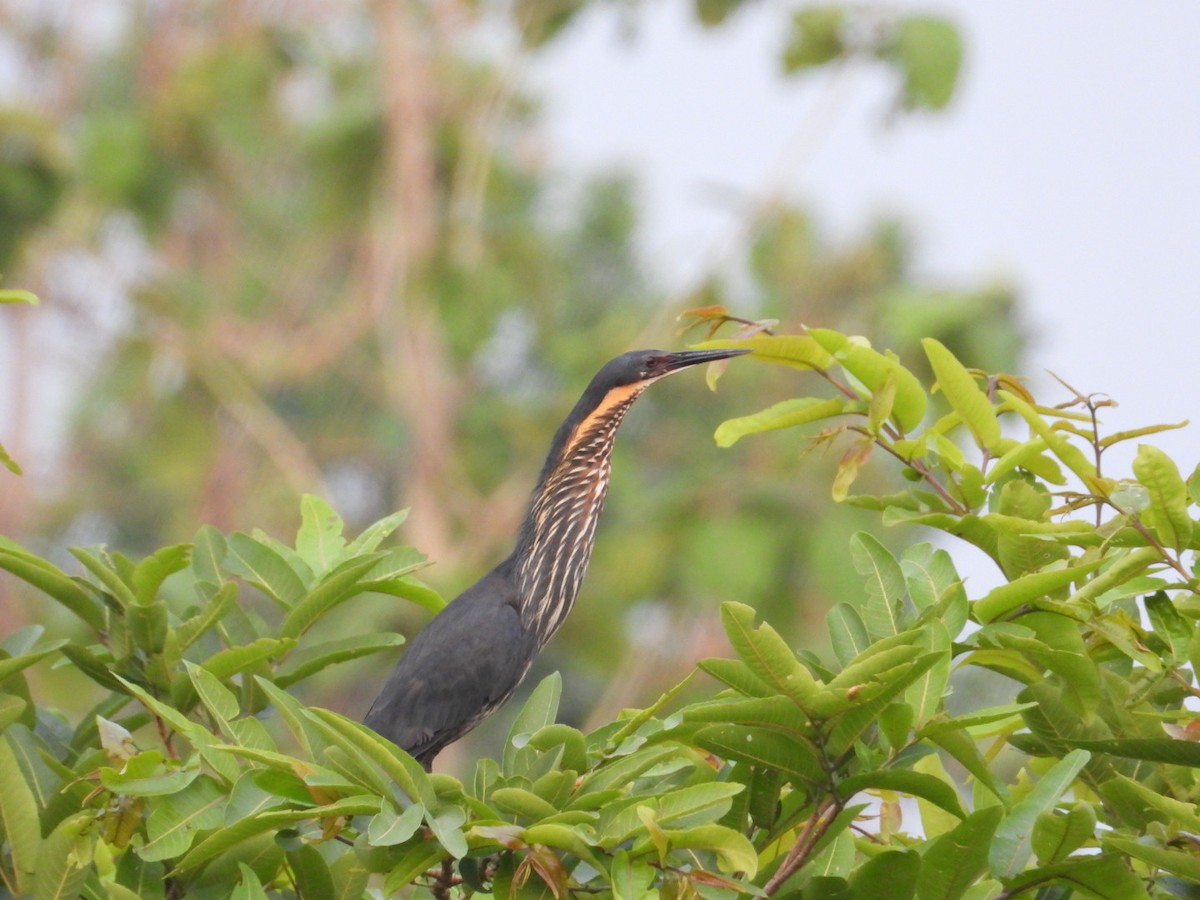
[471, 657]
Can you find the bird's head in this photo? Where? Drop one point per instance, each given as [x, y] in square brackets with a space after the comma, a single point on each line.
[644, 366]
[619, 383]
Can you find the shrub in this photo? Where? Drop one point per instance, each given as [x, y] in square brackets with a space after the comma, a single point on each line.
[197, 774]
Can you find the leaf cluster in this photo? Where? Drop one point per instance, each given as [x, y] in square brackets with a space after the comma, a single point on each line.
[859, 775]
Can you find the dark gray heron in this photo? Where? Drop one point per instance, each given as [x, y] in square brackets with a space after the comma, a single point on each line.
[470, 658]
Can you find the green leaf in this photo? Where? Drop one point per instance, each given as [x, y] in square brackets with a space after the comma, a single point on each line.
[103, 568]
[217, 698]
[734, 851]
[737, 675]
[151, 572]
[407, 588]
[847, 632]
[849, 466]
[815, 38]
[850, 725]
[882, 401]
[216, 843]
[405, 771]
[960, 745]
[775, 712]
[13, 665]
[7, 461]
[906, 781]
[1070, 455]
[1168, 515]
[1057, 835]
[520, 802]
[373, 535]
[311, 873]
[631, 879]
[622, 771]
[538, 712]
[1164, 750]
[762, 747]
[18, 816]
[873, 369]
[929, 52]
[786, 414]
[892, 874]
[955, 860]
[1177, 862]
[265, 568]
[564, 837]
[446, 825]
[231, 660]
[416, 860]
[1028, 456]
[149, 774]
[177, 818]
[767, 655]
[11, 710]
[963, 394]
[319, 540]
[338, 586]
[64, 859]
[1172, 628]
[884, 583]
[1123, 565]
[925, 696]
[53, 582]
[143, 880]
[932, 581]
[208, 555]
[697, 804]
[1012, 845]
[390, 827]
[17, 295]
[1027, 589]
[794, 350]
[574, 754]
[1105, 877]
[317, 657]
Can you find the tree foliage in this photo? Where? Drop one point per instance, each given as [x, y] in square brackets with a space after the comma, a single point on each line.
[356, 274]
[862, 773]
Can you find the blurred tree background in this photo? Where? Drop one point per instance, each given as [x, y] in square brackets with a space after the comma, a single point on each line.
[313, 247]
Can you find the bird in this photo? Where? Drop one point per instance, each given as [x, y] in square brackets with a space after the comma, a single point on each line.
[473, 654]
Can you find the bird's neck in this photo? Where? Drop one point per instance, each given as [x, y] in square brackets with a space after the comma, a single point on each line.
[556, 539]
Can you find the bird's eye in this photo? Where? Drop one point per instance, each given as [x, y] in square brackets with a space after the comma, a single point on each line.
[654, 362]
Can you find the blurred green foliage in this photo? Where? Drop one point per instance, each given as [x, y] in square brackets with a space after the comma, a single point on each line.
[198, 773]
[354, 289]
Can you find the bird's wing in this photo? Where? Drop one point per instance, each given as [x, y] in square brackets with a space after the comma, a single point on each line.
[464, 664]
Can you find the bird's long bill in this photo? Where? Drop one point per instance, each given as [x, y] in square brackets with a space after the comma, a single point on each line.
[685, 358]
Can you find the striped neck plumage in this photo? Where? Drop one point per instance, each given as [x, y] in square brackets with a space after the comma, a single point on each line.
[560, 529]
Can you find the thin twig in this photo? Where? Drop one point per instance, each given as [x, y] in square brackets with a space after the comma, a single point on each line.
[814, 830]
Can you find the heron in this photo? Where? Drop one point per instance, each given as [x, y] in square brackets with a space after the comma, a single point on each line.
[474, 653]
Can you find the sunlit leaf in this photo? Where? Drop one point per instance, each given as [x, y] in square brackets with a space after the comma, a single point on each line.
[19, 817]
[873, 369]
[786, 414]
[1056, 835]
[954, 861]
[918, 784]
[319, 540]
[884, 584]
[928, 51]
[963, 394]
[1012, 845]
[1168, 513]
[766, 654]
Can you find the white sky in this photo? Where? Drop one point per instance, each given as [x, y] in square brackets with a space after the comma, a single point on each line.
[1069, 163]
